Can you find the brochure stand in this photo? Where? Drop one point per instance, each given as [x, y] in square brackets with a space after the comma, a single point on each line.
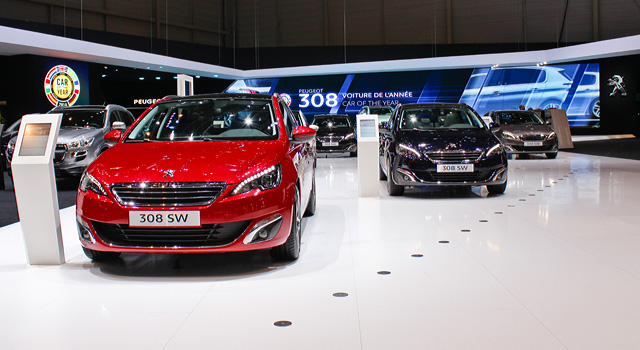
[368, 155]
[35, 187]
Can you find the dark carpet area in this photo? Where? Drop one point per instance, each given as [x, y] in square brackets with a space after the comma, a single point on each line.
[8, 210]
[628, 148]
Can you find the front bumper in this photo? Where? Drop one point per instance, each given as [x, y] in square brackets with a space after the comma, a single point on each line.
[412, 172]
[518, 146]
[249, 221]
[67, 162]
[322, 146]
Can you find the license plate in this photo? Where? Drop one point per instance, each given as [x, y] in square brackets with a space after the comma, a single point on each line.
[183, 218]
[455, 168]
[533, 143]
[330, 144]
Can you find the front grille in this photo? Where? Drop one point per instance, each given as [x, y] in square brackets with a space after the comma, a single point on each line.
[210, 235]
[167, 194]
[457, 157]
[533, 137]
[331, 138]
[432, 176]
[61, 151]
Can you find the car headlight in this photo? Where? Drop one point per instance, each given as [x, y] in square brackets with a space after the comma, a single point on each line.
[404, 150]
[496, 149]
[264, 180]
[80, 143]
[89, 183]
[350, 136]
[508, 135]
[552, 135]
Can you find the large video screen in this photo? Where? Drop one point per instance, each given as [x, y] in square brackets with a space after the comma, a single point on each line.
[574, 87]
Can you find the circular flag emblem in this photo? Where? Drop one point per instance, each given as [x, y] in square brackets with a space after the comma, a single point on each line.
[286, 98]
[62, 86]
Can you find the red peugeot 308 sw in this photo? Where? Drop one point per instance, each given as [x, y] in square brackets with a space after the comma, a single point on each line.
[204, 173]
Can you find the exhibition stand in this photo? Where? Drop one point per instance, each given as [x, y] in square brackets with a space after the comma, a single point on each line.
[560, 124]
[368, 155]
[35, 188]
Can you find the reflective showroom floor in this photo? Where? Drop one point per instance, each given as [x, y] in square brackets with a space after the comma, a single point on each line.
[554, 263]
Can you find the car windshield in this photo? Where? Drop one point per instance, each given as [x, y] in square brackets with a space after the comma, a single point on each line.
[518, 118]
[331, 121]
[381, 110]
[82, 119]
[208, 120]
[438, 117]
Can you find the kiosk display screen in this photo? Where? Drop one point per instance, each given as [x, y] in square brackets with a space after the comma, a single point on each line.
[367, 128]
[34, 141]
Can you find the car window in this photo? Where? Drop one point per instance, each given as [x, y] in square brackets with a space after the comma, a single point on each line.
[521, 76]
[518, 118]
[331, 121]
[495, 78]
[125, 117]
[381, 110]
[289, 120]
[437, 117]
[207, 120]
[79, 118]
[588, 79]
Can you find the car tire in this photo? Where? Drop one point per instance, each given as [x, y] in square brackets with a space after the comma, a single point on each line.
[552, 103]
[96, 255]
[551, 155]
[290, 250]
[497, 189]
[381, 174]
[353, 154]
[311, 206]
[594, 108]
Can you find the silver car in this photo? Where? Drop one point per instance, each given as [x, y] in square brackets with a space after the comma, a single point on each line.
[80, 139]
[523, 132]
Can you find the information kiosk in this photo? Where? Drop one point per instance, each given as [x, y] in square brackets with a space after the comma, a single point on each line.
[35, 187]
[368, 160]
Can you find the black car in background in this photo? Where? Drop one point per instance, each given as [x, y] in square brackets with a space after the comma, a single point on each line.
[9, 132]
[523, 132]
[336, 134]
[440, 144]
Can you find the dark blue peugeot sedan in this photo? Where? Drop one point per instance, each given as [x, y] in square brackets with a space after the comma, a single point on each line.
[440, 144]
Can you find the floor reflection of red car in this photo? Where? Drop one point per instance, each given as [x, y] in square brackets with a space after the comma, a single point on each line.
[206, 173]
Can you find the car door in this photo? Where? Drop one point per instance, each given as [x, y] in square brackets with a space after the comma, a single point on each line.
[302, 156]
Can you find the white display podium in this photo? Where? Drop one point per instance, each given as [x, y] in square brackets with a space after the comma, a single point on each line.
[35, 188]
[368, 159]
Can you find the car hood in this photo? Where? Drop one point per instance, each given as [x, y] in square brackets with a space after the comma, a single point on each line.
[524, 129]
[467, 140]
[333, 131]
[66, 135]
[227, 161]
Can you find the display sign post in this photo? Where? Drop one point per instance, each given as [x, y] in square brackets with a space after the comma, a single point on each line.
[185, 85]
[560, 124]
[368, 159]
[35, 188]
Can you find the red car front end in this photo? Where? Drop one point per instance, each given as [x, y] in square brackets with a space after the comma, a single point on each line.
[228, 176]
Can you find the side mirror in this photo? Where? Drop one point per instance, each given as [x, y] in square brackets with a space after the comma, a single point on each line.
[493, 126]
[302, 134]
[549, 122]
[119, 126]
[314, 127]
[113, 135]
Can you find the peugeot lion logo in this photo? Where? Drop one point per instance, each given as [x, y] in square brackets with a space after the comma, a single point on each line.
[617, 81]
[169, 173]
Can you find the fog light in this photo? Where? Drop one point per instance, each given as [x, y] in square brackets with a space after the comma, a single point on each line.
[264, 230]
[84, 231]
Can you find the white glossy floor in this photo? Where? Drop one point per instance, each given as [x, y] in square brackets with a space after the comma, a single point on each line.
[554, 263]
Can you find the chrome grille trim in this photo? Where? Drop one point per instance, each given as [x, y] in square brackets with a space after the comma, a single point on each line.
[167, 194]
[458, 157]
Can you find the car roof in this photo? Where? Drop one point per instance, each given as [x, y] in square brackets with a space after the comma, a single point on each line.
[433, 104]
[219, 95]
[331, 115]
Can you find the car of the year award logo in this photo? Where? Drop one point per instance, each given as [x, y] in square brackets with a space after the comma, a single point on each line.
[62, 86]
